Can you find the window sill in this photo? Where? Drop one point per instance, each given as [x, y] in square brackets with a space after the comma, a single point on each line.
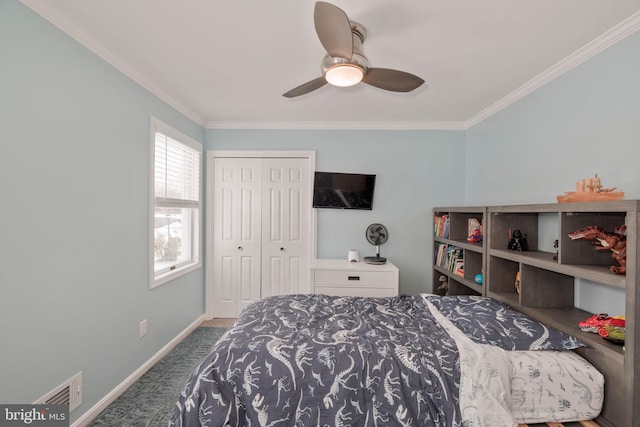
[174, 274]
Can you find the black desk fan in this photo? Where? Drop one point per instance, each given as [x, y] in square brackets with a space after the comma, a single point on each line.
[376, 234]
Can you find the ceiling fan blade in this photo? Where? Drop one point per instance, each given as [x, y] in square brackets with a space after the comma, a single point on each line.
[333, 29]
[307, 87]
[394, 80]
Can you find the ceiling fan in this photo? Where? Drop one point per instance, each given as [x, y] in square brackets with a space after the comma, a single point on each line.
[345, 63]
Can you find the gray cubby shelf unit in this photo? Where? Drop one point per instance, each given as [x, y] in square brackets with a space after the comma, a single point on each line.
[547, 285]
[473, 254]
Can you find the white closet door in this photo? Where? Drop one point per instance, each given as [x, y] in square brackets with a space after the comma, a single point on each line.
[236, 234]
[286, 202]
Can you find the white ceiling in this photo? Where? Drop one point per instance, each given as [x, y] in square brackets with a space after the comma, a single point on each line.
[226, 63]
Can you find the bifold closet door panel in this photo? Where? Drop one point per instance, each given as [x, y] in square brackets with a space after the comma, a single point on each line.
[286, 201]
[237, 234]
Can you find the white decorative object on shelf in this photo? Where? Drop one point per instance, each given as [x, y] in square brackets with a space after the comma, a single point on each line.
[353, 256]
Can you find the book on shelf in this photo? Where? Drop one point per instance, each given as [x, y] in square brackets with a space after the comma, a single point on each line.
[453, 254]
[441, 226]
[446, 256]
[458, 267]
[441, 249]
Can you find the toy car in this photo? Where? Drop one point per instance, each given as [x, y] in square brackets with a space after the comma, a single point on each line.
[614, 334]
[476, 237]
[598, 320]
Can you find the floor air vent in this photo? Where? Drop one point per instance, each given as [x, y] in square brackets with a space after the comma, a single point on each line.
[67, 393]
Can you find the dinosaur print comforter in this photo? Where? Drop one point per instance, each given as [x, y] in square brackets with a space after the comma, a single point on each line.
[339, 361]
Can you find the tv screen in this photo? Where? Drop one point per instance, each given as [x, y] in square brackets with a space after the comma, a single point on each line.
[343, 190]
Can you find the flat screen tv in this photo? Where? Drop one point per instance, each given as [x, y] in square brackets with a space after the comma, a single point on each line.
[343, 190]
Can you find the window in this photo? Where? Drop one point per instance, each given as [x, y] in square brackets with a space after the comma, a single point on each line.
[176, 205]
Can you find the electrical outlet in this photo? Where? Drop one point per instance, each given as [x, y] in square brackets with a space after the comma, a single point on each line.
[143, 328]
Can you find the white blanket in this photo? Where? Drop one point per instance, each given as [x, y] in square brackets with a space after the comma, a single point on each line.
[485, 391]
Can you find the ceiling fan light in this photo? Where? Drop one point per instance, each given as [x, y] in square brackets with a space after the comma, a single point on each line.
[344, 75]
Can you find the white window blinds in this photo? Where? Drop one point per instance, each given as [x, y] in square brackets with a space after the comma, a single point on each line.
[177, 172]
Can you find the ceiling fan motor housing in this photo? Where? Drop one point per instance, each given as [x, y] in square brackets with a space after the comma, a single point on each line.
[357, 60]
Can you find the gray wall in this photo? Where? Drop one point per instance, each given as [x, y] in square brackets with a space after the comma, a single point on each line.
[415, 171]
[74, 251]
[585, 122]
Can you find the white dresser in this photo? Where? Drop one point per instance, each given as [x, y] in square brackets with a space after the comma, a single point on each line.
[344, 278]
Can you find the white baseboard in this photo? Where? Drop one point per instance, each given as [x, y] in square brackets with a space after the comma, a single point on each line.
[86, 418]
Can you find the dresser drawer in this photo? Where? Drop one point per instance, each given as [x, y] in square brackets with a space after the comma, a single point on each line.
[354, 278]
[344, 278]
[345, 291]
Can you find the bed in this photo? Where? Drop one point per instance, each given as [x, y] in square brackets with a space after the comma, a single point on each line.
[405, 361]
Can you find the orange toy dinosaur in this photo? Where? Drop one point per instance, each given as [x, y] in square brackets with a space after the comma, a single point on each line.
[615, 242]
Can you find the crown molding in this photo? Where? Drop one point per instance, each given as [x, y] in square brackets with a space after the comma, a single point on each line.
[305, 125]
[75, 31]
[594, 47]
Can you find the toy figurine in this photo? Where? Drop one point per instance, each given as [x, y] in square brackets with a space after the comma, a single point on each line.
[599, 320]
[616, 242]
[444, 284]
[518, 241]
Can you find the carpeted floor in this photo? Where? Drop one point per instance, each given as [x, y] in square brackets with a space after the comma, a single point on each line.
[149, 401]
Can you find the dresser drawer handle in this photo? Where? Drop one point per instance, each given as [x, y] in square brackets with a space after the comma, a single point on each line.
[354, 278]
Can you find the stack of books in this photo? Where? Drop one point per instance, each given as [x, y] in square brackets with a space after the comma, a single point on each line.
[441, 226]
[450, 258]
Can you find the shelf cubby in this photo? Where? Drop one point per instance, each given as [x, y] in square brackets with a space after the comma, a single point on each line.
[455, 236]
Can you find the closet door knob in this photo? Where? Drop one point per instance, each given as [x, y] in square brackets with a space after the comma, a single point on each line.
[239, 248]
[282, 249]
